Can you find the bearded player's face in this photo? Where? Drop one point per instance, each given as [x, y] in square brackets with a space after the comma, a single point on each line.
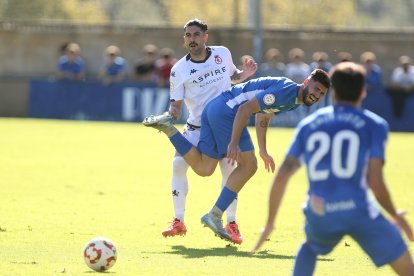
[195, 40]
[313, 92]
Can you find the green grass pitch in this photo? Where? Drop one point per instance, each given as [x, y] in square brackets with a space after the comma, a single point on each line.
[65, 182]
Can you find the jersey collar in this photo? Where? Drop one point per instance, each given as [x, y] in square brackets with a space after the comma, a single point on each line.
[188, 57]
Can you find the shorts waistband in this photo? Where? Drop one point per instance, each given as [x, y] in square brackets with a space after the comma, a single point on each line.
[192, 126]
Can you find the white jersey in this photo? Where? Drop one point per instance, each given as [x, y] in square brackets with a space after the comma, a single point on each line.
[198, 82]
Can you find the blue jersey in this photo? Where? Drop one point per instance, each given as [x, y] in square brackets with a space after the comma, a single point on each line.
[336, 143]
[275, 94]
[117, 67]
[374, 79]
[75, 67]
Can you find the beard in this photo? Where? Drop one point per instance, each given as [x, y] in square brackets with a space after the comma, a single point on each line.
[308, 97]
[305, 98]
[196, 50]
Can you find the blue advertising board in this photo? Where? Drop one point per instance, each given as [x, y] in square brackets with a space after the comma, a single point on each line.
[132, 102]
[93, 101]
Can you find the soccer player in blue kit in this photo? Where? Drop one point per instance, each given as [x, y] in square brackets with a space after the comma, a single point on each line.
[343, 148]
[224, 132]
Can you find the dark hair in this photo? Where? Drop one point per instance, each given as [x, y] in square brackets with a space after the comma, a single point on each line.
[321, 76]
[196, 22]
[348, 80]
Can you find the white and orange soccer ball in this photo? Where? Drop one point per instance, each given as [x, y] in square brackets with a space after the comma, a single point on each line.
[100, 254]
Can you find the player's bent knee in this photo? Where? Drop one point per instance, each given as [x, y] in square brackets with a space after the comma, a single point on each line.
[203, 171]
[205, 168]
[252, 166]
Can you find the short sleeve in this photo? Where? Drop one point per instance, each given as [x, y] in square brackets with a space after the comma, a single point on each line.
[176, 86]
[230, 63]
[379, 137]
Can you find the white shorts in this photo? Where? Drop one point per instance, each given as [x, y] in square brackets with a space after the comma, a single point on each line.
[192, 134]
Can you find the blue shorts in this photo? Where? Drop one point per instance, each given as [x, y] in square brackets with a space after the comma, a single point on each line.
[379, 238]
[216, 128]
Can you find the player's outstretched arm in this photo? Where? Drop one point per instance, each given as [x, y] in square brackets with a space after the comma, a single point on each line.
[262, 124]
[240, 121]
[289, 166]
[379, 188]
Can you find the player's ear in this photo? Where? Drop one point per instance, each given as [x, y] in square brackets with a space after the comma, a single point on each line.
[333, 96]
[306, 82]
[363, 93]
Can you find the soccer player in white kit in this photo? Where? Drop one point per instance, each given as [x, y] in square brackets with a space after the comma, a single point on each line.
[196, 79]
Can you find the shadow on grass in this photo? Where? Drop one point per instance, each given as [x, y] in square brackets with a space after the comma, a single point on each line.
[100, 272]
[229, 250]
[223, 251]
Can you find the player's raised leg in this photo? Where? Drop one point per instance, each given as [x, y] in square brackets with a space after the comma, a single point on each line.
[200, 163]
[163, 122]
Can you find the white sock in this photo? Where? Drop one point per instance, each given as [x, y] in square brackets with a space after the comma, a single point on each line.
[226, 170]
[179, 185]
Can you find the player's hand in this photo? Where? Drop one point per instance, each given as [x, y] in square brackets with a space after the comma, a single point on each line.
[173, 111]
[249, 67]
[233, 153]
[401, 223]
[263, 237]
[268, 161]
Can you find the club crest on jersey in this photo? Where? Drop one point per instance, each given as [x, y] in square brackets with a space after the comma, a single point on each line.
[218, 59]
[269, 99]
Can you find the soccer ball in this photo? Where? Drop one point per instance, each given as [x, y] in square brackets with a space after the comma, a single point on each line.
[99, 254]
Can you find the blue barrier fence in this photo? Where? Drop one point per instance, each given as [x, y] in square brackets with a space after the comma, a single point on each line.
[94, 101]
[132, 102]
[381, 104]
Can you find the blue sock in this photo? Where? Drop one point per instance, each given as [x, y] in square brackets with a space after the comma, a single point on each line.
[305, 261]
[225, 199]
[181, 144]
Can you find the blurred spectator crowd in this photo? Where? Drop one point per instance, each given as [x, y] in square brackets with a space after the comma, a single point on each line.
[401, 81]
[154, 65]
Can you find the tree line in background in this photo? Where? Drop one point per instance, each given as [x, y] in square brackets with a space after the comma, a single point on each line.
[344, 13]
